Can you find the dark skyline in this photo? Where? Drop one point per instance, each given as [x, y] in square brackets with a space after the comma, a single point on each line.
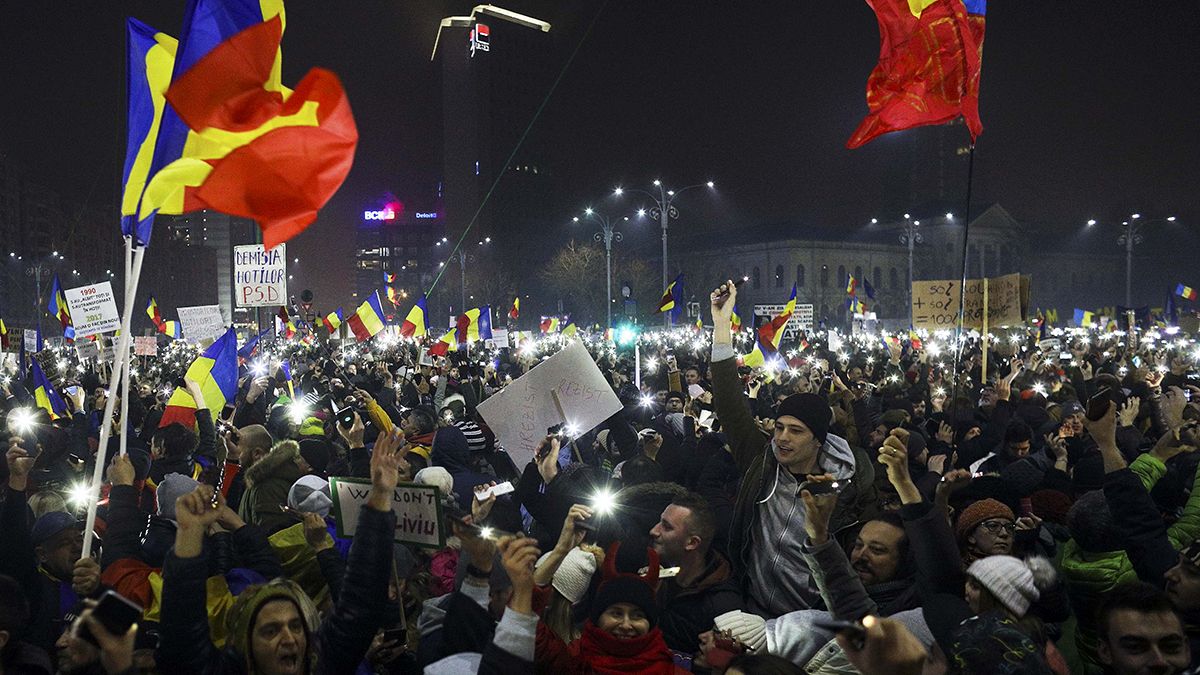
[1088, 110]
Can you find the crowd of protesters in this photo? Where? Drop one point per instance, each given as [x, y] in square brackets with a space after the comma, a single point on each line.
[840, 510]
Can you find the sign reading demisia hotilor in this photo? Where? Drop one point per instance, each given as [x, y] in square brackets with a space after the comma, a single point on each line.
[260, 276]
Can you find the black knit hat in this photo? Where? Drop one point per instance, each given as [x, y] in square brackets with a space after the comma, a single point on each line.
[810, 409]
[631, 588]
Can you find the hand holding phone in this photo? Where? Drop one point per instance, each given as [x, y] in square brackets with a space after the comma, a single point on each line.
[495, 490]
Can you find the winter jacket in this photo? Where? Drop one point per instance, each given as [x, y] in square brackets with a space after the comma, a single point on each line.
[843, 591]
[687, 611]
[768, 517]
[267, 483]
[342, 639]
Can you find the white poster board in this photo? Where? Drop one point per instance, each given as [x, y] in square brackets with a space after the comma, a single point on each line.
[202, 322]
[93, 309]
[144, 345]
[259, 276]
[417, 507]
[31, 344]
[520, 413]
[499, 339]
[87, 349]
[802, 319]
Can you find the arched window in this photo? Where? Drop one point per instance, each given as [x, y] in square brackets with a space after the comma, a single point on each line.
[779, 276]
[893, 279]
[877, 277]
[824, 276]
[756, 278]
[799, 276]
[858, 273]
[841, 277]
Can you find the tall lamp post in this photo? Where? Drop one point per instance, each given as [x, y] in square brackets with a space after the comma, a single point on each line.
[607, 234]
[663, 209]
[1131, 236]
[462, 258]
[911, 237]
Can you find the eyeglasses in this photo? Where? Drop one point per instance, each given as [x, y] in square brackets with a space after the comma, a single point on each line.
[995, 526]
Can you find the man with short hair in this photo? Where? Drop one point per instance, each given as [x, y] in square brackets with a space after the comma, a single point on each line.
[703, 588]
[1141, 633]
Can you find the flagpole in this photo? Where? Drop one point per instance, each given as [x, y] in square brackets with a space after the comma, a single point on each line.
[962, 289]
[124, 356]
[105, 422]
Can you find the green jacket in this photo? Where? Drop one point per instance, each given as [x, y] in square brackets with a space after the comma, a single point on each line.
[268, 482]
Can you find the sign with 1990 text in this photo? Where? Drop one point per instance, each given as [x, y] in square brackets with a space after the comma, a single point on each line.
[93, 309]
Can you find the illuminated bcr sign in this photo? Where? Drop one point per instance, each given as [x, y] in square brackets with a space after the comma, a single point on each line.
[386, 214]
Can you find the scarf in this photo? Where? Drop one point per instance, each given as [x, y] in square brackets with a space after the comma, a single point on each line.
[599, 652]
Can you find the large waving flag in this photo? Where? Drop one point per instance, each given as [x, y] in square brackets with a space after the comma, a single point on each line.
[771, 333]
[44, 394]
[251, 146]
[172, 329]
[549, 324]
[672, 299]
[415, 324]
[333, 319]
[445, 344]
[247, 350]
[58, 308]
[474, 325]
[368, 320]
[1185, 292]
[930, 56]
[216, 372]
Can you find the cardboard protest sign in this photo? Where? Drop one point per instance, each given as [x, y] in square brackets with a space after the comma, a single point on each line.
[521, 413]
[202, 322]
[93, 309]
[144, 345]
[935, 304]
[260, 276]
[87, 349]
[417, 507]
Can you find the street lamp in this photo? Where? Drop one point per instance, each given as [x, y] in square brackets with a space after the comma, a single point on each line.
[1129, 238]
[463, 258]
[663, 209]
[911, 237]
[607, 234]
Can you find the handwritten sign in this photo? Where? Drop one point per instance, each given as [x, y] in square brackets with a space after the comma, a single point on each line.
[499, 339]
[935, 304]
[31, 341]
[93, 309]
[202, 322]
[417, 507]
[87, 349]
[145, 345]
[521, 412]
[260, 276]
[802, 319]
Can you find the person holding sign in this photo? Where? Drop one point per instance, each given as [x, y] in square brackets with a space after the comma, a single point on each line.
[274, 627]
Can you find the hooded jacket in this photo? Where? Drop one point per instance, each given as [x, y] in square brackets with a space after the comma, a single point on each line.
[267, 484]
[687, 611]
[450, 451]
[767, 528]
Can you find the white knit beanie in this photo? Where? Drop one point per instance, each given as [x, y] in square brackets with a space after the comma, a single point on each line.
[438, 477]
[574, 575]
[310, 494]
[748, 629]
[1015, 583]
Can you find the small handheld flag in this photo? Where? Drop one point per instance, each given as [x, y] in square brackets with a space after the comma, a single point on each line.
[368, 319]
[414, 324]
[672, 299]
[1185, 292]
[333, 319]
[515, 312]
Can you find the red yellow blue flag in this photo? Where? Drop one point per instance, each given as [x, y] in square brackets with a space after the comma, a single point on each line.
[1185, 292]
[672, 299]
[215, 370]
[416, 323]
[44, 394]
[368, 319]
[333, 319]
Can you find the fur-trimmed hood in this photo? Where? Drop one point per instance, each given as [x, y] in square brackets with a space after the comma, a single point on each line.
[283, 454]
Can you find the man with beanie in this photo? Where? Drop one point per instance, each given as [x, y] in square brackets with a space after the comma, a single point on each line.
[704, 586]
[767, 527]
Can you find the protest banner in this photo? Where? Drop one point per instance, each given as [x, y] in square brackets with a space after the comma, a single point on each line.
[499, 339]
[802, 319]
[202, 322]
[144, 345]
[87, 349]
[935, 304]
[521, 413]
[260, 276]
[31, 341]
[417, 507]
[93, 309]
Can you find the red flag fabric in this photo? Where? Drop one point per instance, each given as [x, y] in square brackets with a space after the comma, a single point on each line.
[298, 147]
[930, 55]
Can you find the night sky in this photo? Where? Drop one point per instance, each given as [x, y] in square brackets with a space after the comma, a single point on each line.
[1089, 108]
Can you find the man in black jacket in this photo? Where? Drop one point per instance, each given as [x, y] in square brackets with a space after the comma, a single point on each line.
[273, 628]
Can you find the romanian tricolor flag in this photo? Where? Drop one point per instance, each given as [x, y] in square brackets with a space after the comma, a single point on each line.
[735, 320]
[549, 324]
[58, 309]
[515, 312]
[855, 305]
[445, 344]
[172, 329]
[474, 325]
[43, 393]
[368, 320]
[286, 368]
[1185, 292]
[247, 350]
[392, 296]
[771, 333]
[333, 319]
[389, 278]
[3, 335]
[914, 340]
[672, 299]
[154, 314]
[234, 139]
[285, 325]
[1084, 318]
[216, 372]
[851, 285]
[416, 324]
[930, 56]
[570, 330]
